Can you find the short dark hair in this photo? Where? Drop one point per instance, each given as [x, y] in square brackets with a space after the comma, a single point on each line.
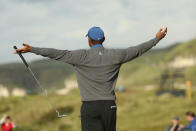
[98, 41]
[8, 118]
[190, 113]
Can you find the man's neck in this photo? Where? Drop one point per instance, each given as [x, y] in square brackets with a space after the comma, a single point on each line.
[97, 45]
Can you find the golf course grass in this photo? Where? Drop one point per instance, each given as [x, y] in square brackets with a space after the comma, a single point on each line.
[138, 109]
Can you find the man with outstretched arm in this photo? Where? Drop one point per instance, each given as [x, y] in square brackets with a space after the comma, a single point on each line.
[97, 71]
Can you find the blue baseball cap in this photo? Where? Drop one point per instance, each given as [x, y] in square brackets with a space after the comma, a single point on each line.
[95, 33]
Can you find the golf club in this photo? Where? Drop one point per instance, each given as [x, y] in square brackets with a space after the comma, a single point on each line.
[39, 85]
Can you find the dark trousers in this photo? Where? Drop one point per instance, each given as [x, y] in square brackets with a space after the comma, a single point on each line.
[98, 115]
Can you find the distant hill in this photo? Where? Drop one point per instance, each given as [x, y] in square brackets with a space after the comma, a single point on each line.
[50, 73]
[186, 49]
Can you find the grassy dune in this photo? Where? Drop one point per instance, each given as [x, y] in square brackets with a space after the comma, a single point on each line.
[137, 110]
[185, 49]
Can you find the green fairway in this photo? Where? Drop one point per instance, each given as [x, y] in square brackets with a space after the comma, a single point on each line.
[137, 110]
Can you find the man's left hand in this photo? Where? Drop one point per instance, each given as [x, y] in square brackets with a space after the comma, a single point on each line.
[161, 33]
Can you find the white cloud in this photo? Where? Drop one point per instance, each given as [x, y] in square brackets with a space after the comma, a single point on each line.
[125, 25]
[63, 24]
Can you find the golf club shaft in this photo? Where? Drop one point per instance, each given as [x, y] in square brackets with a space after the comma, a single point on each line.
[45, 93]
[36, 80]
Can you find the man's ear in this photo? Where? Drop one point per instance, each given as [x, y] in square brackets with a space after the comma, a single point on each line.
[90, 42]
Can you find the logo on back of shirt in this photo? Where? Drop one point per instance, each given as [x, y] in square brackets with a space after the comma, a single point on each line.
[100, 53]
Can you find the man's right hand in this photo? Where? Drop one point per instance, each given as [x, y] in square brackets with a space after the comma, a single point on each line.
[25, 49]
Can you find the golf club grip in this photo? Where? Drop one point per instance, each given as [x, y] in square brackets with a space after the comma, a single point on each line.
[24, 61]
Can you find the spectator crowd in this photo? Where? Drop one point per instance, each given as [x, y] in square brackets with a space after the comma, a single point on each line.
[176, 126]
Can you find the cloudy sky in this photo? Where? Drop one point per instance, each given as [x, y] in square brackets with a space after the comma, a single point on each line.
[63, 24]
